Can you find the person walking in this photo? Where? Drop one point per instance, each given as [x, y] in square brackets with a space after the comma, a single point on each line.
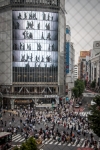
[5, 123]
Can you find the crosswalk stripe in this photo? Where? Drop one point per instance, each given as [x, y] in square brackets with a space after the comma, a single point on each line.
[44, 140]
[56, 143]
[16, 145]
[75, 143]
[83, 113]
[79, 144]
[69, 144]
[83, 144]
[22, 140]
[48, 141]
[16, 137]
[59, 143]
[51, 142]
[98, 144]
[64, 144]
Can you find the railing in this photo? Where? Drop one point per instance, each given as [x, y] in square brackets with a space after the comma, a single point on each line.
[55, 3]
[15, 93]
[44, 2]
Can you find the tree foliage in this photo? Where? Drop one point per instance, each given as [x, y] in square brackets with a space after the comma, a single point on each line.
[16, 148]
[75, 92]
[94, 117]
[30, 144]
[93, 84]
[85, 83]
[79, 88]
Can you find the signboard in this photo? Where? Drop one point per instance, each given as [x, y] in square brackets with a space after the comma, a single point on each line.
[50, 96]
[84, 53]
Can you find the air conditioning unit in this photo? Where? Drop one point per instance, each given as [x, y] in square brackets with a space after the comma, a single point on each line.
[96, 44]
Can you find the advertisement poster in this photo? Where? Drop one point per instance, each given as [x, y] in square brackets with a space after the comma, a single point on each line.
[35, 42]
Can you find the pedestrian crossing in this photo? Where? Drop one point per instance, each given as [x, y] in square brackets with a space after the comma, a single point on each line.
[81, 143]
[18, 138]
[51, 141]
[84, 114]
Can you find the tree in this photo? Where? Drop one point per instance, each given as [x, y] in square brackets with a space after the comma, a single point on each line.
[75, 92]
[93, 84]
[94, 117]
[85, 83]
[30, 144]
[79, 84]
[16, 148]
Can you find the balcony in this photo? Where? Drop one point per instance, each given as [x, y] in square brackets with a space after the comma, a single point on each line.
[32, 3]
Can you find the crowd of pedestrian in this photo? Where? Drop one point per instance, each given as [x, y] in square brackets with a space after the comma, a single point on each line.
[61, 124]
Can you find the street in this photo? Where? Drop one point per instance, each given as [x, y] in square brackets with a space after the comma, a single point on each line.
[49, 142]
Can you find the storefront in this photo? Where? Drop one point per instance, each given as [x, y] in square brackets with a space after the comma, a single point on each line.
[22, 103]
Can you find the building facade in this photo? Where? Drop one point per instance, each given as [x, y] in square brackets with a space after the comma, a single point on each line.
[70, 59]
[95, 62]
[75, 72]
[82, 70]
[32, 51]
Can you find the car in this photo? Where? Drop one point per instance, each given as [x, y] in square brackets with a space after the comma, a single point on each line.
[92, 102]
[77, 106]
[80, 102]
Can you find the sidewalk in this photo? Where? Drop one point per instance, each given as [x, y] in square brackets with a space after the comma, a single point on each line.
[10, 111]
[91, 91]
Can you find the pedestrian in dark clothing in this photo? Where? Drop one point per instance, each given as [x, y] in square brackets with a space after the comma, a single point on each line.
[84, 133]
[5, 123]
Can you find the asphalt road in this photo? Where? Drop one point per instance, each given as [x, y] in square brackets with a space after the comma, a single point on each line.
[51, 145]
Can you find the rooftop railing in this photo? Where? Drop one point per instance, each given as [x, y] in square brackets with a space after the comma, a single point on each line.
[55, 3]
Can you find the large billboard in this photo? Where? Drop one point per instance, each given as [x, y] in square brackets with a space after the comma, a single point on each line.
[35, 40]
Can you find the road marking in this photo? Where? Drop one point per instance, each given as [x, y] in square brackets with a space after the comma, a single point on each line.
[22, 140]
[16, 137]
[83, 144]
[59, 143]
[80, 143]
[48, 141]
[56, 143]
[75, 143]
[51, 142]
[45, 140]
[69, 144]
